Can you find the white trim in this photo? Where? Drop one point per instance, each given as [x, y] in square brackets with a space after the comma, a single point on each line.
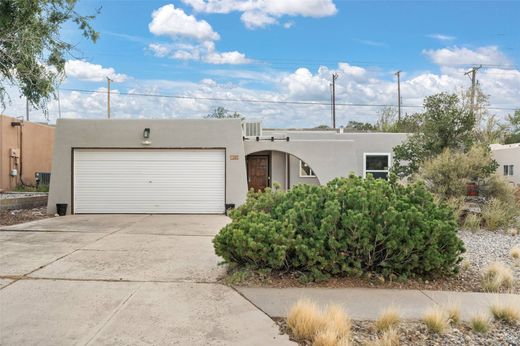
[305, 176]
[389, 155]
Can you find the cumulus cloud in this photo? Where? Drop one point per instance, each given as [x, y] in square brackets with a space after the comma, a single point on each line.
[86, 71]
[265, 12]
[173, 22]
[180, 27]
[355, 85]
[452, 56]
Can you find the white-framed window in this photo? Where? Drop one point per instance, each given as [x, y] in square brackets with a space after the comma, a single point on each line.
[377, 164]
[306, 170]
[508, 170]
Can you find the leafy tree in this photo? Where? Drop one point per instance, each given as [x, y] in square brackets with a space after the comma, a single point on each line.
[223, 113]
[513, 128]
[322, 127]
[32, 53]
[445, 123]
[359, 126]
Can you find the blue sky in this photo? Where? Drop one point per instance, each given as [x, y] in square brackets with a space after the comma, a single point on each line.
[285, 50]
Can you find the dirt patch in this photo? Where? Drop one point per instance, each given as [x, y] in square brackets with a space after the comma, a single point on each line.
[13, 217]
[415, 333]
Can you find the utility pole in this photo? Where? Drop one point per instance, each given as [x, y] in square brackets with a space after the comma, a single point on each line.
[108, 97]
[473, 78]
[334, 77]
[27, 109]
[398, 74]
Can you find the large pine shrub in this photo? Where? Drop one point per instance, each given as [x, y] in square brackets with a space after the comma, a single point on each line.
[347, 227]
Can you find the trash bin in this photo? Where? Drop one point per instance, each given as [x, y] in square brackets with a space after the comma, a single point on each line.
[61, 209]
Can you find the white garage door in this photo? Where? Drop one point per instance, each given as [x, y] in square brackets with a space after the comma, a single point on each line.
[149, 181]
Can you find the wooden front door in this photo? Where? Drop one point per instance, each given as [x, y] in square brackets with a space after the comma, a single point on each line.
[258, 172]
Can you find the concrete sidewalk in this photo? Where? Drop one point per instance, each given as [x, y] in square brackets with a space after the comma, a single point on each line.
[367, 303]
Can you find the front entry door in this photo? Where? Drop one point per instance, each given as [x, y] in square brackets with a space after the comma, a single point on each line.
[258, 172]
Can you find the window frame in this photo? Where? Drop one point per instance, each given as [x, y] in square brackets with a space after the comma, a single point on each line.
[506, 170]
[313, 175]
[387, 171]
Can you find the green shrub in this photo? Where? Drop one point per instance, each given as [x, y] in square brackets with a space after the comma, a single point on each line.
[496, 186]
[347, 227]
[447, 174]
[498, 214]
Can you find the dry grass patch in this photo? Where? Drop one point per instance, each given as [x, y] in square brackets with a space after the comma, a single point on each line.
[465, 264]
[497, 276]
[453, 311]
[480, 323]
[436, 320]
[515, 253]
[506, 313]
[472, 222]
[305, 319]
[388, 319]
[513, 231]
[331, 327]
[388, 338]
[337, 320]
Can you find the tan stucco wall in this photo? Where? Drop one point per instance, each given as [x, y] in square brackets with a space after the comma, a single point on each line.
[36, 151]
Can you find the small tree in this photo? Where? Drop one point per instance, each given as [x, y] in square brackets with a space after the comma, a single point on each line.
[222, 113]
[513, 128]
[445, 123]
[32, 53]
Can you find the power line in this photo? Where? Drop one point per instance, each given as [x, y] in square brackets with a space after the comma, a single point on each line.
[317, 103]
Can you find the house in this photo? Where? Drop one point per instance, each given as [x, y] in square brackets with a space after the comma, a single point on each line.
[198, 166]
[26, 149]
[508, 158]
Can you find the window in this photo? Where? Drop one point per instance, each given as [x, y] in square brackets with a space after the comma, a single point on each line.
[305, 170]
[377, 164]
[508, 170]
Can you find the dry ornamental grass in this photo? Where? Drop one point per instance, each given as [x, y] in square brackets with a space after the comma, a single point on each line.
[388, 319]
[480, 323]
[497, 276]
[506, 313]
[436, 320]
[305, 319]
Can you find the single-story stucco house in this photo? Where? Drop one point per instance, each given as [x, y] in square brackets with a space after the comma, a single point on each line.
[198, 166]
[508, 158]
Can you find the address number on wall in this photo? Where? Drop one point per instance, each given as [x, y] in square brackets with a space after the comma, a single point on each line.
[233, 157]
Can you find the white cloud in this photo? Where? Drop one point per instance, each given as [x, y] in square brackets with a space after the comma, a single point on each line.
[173, 22]
[263, 12]
[232, 58]
[489, 55]
[356, 84]
[442, 37]
[288, 25]
[86, 71]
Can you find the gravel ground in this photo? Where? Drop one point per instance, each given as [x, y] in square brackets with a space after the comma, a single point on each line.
[13, 217]
[482, 248]
[414, 333]
[485, 247]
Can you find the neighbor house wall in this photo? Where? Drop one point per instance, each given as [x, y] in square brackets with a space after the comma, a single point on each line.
[34, 143]
[508, 154]
[127, 133]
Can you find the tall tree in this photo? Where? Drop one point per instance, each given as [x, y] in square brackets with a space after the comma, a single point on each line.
[32, 53]
[513, 128]
[222, 113]
[446, 123]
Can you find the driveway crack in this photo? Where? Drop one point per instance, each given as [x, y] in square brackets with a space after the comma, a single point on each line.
[109, 318]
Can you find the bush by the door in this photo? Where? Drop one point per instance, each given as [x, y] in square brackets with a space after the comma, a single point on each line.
[347, 227]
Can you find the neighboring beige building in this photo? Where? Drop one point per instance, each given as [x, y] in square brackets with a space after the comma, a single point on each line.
[508, 157]
[25, 148]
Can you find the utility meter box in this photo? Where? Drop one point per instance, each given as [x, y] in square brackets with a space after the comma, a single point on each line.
[14, 152]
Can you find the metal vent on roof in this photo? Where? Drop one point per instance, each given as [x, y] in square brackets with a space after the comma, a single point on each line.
[253, 129]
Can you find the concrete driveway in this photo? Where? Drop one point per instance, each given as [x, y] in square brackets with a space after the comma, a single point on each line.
[122, 280]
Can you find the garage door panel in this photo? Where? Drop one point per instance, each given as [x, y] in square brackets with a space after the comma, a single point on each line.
[149, 181]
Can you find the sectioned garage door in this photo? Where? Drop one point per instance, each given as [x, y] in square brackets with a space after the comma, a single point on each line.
[149, 181]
